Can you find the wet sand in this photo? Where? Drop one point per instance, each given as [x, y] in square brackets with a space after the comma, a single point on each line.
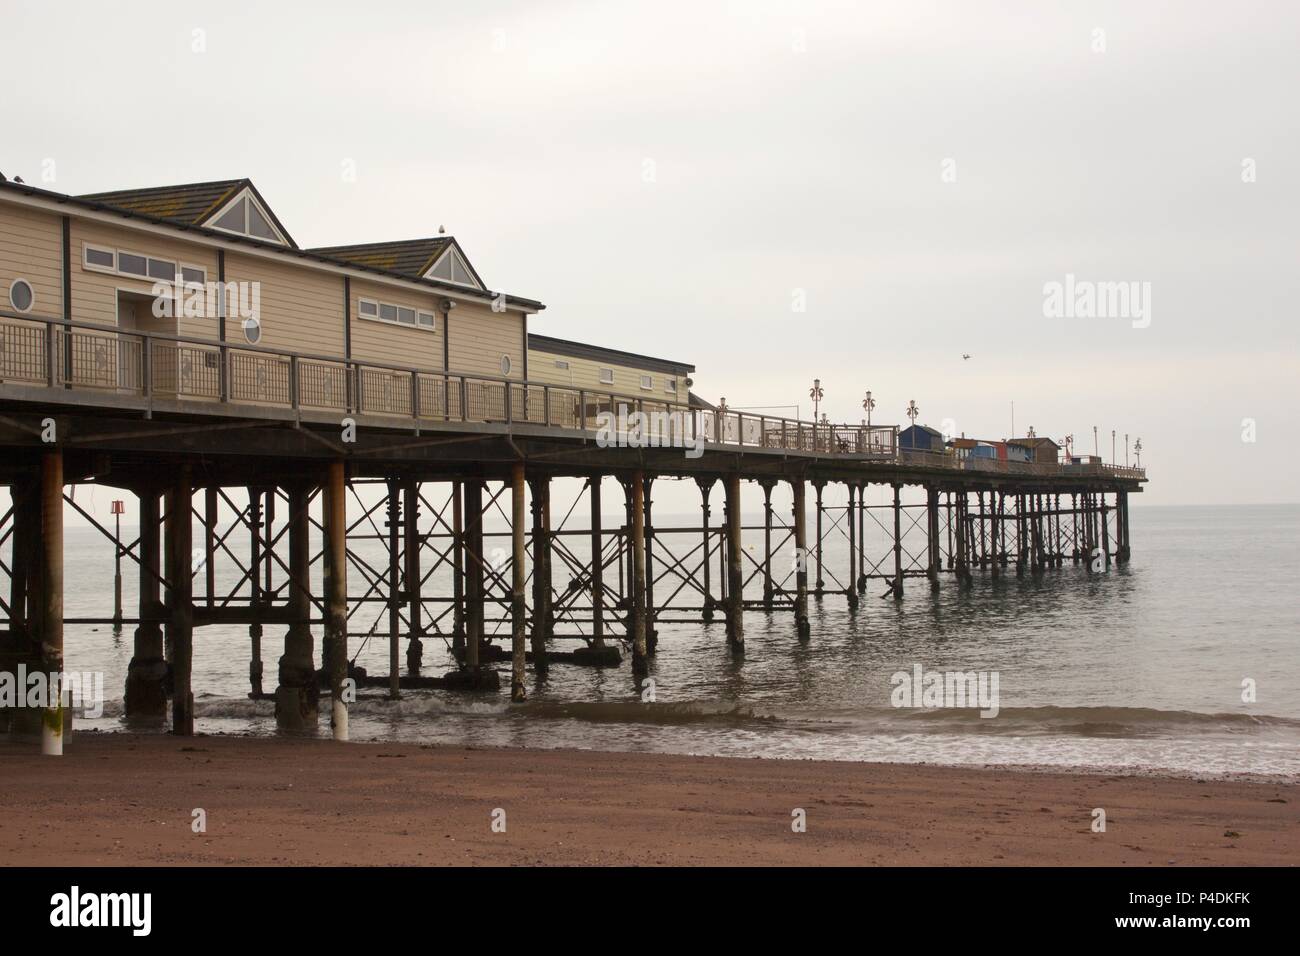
[122, 799]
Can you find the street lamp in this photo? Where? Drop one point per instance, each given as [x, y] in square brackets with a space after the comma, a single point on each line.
[1126, 449]
[1137, 450]
[816, 393]
[912, 410]
[868, 404]
[1112, 446]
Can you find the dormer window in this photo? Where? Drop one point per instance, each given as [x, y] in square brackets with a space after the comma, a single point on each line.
[245, 216]
[451, 267]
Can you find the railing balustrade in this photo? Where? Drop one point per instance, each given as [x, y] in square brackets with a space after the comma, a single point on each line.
[47, 352]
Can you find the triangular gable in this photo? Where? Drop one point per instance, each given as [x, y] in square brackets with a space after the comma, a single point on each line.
[452, 266]
[246, 214]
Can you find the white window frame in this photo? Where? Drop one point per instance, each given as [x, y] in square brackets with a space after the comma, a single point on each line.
[31, 288]
[451, 249]
[602, 373]
[670, 385]
[379, 306]
[647, 383]
[117, 253]
[246, 193]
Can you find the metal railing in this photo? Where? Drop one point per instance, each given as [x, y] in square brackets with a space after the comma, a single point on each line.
[53, 353]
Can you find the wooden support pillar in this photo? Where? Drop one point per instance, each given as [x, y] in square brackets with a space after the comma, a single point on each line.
[948, 508]
[803, 627]
[898, 542]
[639, 662]
[851, 592]
[932, 536]
[180, 623]
[51, 607]
[146, 695]
[411, 575]
[768, 589]
[394, 603]
[297, 696]
[1121, 511]
[457, 571]
[17, 642]
[518, 611]
[541, 492]
[334, 511]
[706, 485]
[597, 571]
[474, 604]
[963, 572]
[996, 531]
[255, 591]
[1103, 511]
[735, 570]
[210, 513]
[818, 487]
[862, 538]
[651, 632]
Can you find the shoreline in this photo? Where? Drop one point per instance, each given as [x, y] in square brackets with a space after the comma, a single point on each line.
[129, 799]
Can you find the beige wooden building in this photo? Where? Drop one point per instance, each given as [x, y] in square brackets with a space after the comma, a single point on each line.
[99, 259]
[578, 365]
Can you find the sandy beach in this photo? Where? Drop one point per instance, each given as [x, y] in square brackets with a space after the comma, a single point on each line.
[121, 799]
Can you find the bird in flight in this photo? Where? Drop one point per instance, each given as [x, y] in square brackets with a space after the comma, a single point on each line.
[965, 355]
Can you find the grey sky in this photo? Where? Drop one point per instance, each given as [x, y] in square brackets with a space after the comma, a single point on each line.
[794, 146]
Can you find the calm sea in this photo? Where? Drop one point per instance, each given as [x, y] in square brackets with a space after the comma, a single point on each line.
[1141, 668]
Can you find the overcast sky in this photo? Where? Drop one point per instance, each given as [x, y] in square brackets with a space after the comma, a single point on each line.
[680, 179]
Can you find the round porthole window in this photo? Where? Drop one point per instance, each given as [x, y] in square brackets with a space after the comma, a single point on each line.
[252, 330]
[505, 365]
[21, 296]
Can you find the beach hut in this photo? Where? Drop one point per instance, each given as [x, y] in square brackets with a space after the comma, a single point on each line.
[1042, 451]
[920, 438]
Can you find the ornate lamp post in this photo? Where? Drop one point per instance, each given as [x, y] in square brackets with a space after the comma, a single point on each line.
[868, 404]
[912, 410]
[816, 393]
[1137, 450]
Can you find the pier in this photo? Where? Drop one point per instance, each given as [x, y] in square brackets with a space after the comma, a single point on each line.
[446, 453]
[175, 344]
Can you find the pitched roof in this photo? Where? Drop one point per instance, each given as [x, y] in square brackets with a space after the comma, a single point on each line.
[546, 343]
[413, 257]
[1034, 442]
[188, 204]
[119, 203]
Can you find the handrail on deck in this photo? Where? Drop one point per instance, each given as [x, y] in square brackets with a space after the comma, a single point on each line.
[43, 351]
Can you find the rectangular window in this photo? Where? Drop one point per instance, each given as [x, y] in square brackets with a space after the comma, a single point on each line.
[607, 376]
[560, 363]
[131, 264]
[397, 314]
[162, 269]
[101, 258]
[192, 274]
[647, 381]
[670, 386]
